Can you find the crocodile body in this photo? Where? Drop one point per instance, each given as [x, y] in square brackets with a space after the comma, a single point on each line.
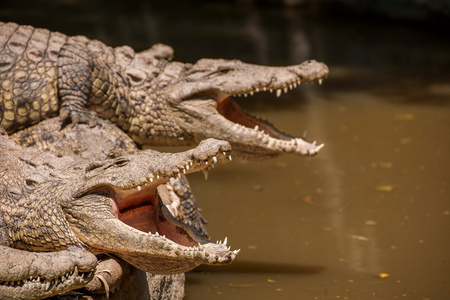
[155, 100]
[57, 213]
[104, 142]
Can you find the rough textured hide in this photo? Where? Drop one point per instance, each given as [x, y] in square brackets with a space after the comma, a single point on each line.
[155, 100]
[52, 204]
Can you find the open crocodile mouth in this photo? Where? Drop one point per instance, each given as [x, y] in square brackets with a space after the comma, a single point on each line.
[142, 208]
[138, 204]
[249, 134]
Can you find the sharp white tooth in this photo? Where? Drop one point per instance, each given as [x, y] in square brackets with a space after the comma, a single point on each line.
[157, 176]
[264, 89]
[295, 84]
[139, 188]
[205, 172]
[229, 158]
[291, 86]
[256, 128]
[224, 153]
[214, 159]
[286, 89]
[184, 171]
[271, 90]
[172, 180]
[251, 93]
[225, 241]
[320, 80]
[191, 163]
[279, 92]
[229, 247]
[257, 90]
[245, 95]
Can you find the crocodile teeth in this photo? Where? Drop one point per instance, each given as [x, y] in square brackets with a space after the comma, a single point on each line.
[320, 81]
[214, 159]
[205, 172]
[139, 188]
[279, 91]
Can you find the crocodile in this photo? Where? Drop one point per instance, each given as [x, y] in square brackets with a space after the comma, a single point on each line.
[104, 142]
[57, 215]
[154, 99]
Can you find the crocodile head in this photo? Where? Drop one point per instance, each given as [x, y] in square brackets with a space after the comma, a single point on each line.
[200, 104]
[117, 210]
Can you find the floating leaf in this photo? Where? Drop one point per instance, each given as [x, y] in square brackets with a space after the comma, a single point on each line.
[308, 199]
[386, 188]
[359, 237]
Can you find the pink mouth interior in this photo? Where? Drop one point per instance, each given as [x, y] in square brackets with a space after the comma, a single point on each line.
[142, 210]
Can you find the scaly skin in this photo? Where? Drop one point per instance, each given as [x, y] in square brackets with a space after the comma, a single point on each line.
[105, 142]
[154, 100]
[99, 143]
[52, 205]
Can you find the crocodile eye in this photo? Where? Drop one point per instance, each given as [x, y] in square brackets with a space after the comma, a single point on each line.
[121, 161]
[225, 71]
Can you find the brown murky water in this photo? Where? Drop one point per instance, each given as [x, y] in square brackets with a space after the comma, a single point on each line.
[367, 218]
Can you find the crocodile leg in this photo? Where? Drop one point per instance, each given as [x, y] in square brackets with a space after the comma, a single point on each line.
[74, 71]
[186, 209]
